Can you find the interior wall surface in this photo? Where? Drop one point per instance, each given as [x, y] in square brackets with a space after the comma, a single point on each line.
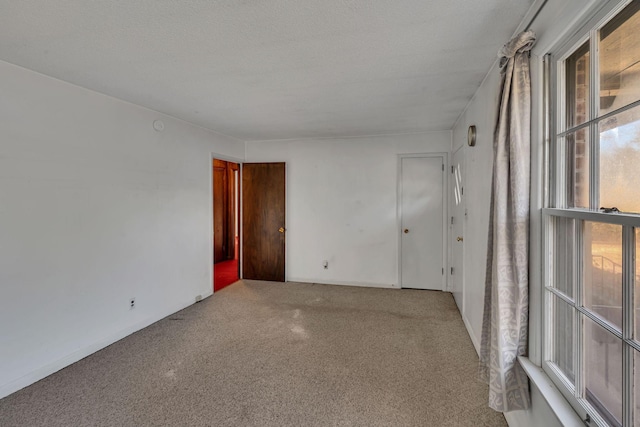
[97, 208]
[342, 204]
[556, 21]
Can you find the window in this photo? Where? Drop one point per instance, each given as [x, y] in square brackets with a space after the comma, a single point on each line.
[592, 280]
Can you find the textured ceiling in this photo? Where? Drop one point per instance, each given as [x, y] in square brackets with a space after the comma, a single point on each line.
[270, 69]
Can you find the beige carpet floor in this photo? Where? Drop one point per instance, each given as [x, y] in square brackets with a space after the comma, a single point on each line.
[276, 354]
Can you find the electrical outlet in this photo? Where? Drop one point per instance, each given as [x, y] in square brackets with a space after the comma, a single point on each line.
[132, 303]
[325, 264]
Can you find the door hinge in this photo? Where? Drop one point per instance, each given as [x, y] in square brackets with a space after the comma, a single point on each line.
[462, 191]
[443, 271]
[443, 167]
[451, 270]
[451, 220]
[451, 169]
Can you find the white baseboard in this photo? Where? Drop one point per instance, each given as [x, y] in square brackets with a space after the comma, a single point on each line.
[342, 283]
[46, 370]
[474, 339]
[512, 420]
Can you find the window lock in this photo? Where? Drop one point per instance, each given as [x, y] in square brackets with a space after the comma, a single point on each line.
[609, 210]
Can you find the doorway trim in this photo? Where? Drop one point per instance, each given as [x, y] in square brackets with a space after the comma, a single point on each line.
[214, 155]
[445, 211]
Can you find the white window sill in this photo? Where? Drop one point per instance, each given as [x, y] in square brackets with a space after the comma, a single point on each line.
[556, 401]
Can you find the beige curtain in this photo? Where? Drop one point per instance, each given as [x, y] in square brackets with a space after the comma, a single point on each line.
[506, 301]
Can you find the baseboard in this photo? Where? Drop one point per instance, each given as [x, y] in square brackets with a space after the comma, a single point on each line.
[342, 283]
[512, 420]
[53, 367]
[474, 339]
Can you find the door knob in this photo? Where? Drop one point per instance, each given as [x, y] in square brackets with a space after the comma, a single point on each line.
[459, 239]
[281, 229]
[406, 230]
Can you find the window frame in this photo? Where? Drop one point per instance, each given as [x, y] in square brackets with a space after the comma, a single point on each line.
[555, 206]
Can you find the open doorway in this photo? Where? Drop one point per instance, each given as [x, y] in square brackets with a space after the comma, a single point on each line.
[226, 223]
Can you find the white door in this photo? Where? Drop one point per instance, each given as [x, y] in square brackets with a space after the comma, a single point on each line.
[458, 216]
[421, 213]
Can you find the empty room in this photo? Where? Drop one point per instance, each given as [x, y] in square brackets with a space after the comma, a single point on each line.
[336, 213]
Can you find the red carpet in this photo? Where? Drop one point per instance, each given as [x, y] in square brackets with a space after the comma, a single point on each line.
[224, 274]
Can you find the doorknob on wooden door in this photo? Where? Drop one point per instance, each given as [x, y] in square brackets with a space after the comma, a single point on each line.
[281, 229]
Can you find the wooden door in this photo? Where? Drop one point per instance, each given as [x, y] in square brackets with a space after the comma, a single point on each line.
[421, 198]
[263, 221]
[230, 226]
[219, 210]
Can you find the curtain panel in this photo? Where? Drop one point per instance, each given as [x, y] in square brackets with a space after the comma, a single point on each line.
[506, 301]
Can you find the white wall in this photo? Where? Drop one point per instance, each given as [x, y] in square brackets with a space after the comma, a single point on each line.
[95, 207]
[478, 168]
[555, 22]
[478, 164]
[341, 204]
[539, 415]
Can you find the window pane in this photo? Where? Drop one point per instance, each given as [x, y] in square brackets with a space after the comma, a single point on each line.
[563, 337]
[564, 243]
[619, 160]
[577, 84]
[577, 168]
[619, 60]
[603, 371]
[602, 278]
